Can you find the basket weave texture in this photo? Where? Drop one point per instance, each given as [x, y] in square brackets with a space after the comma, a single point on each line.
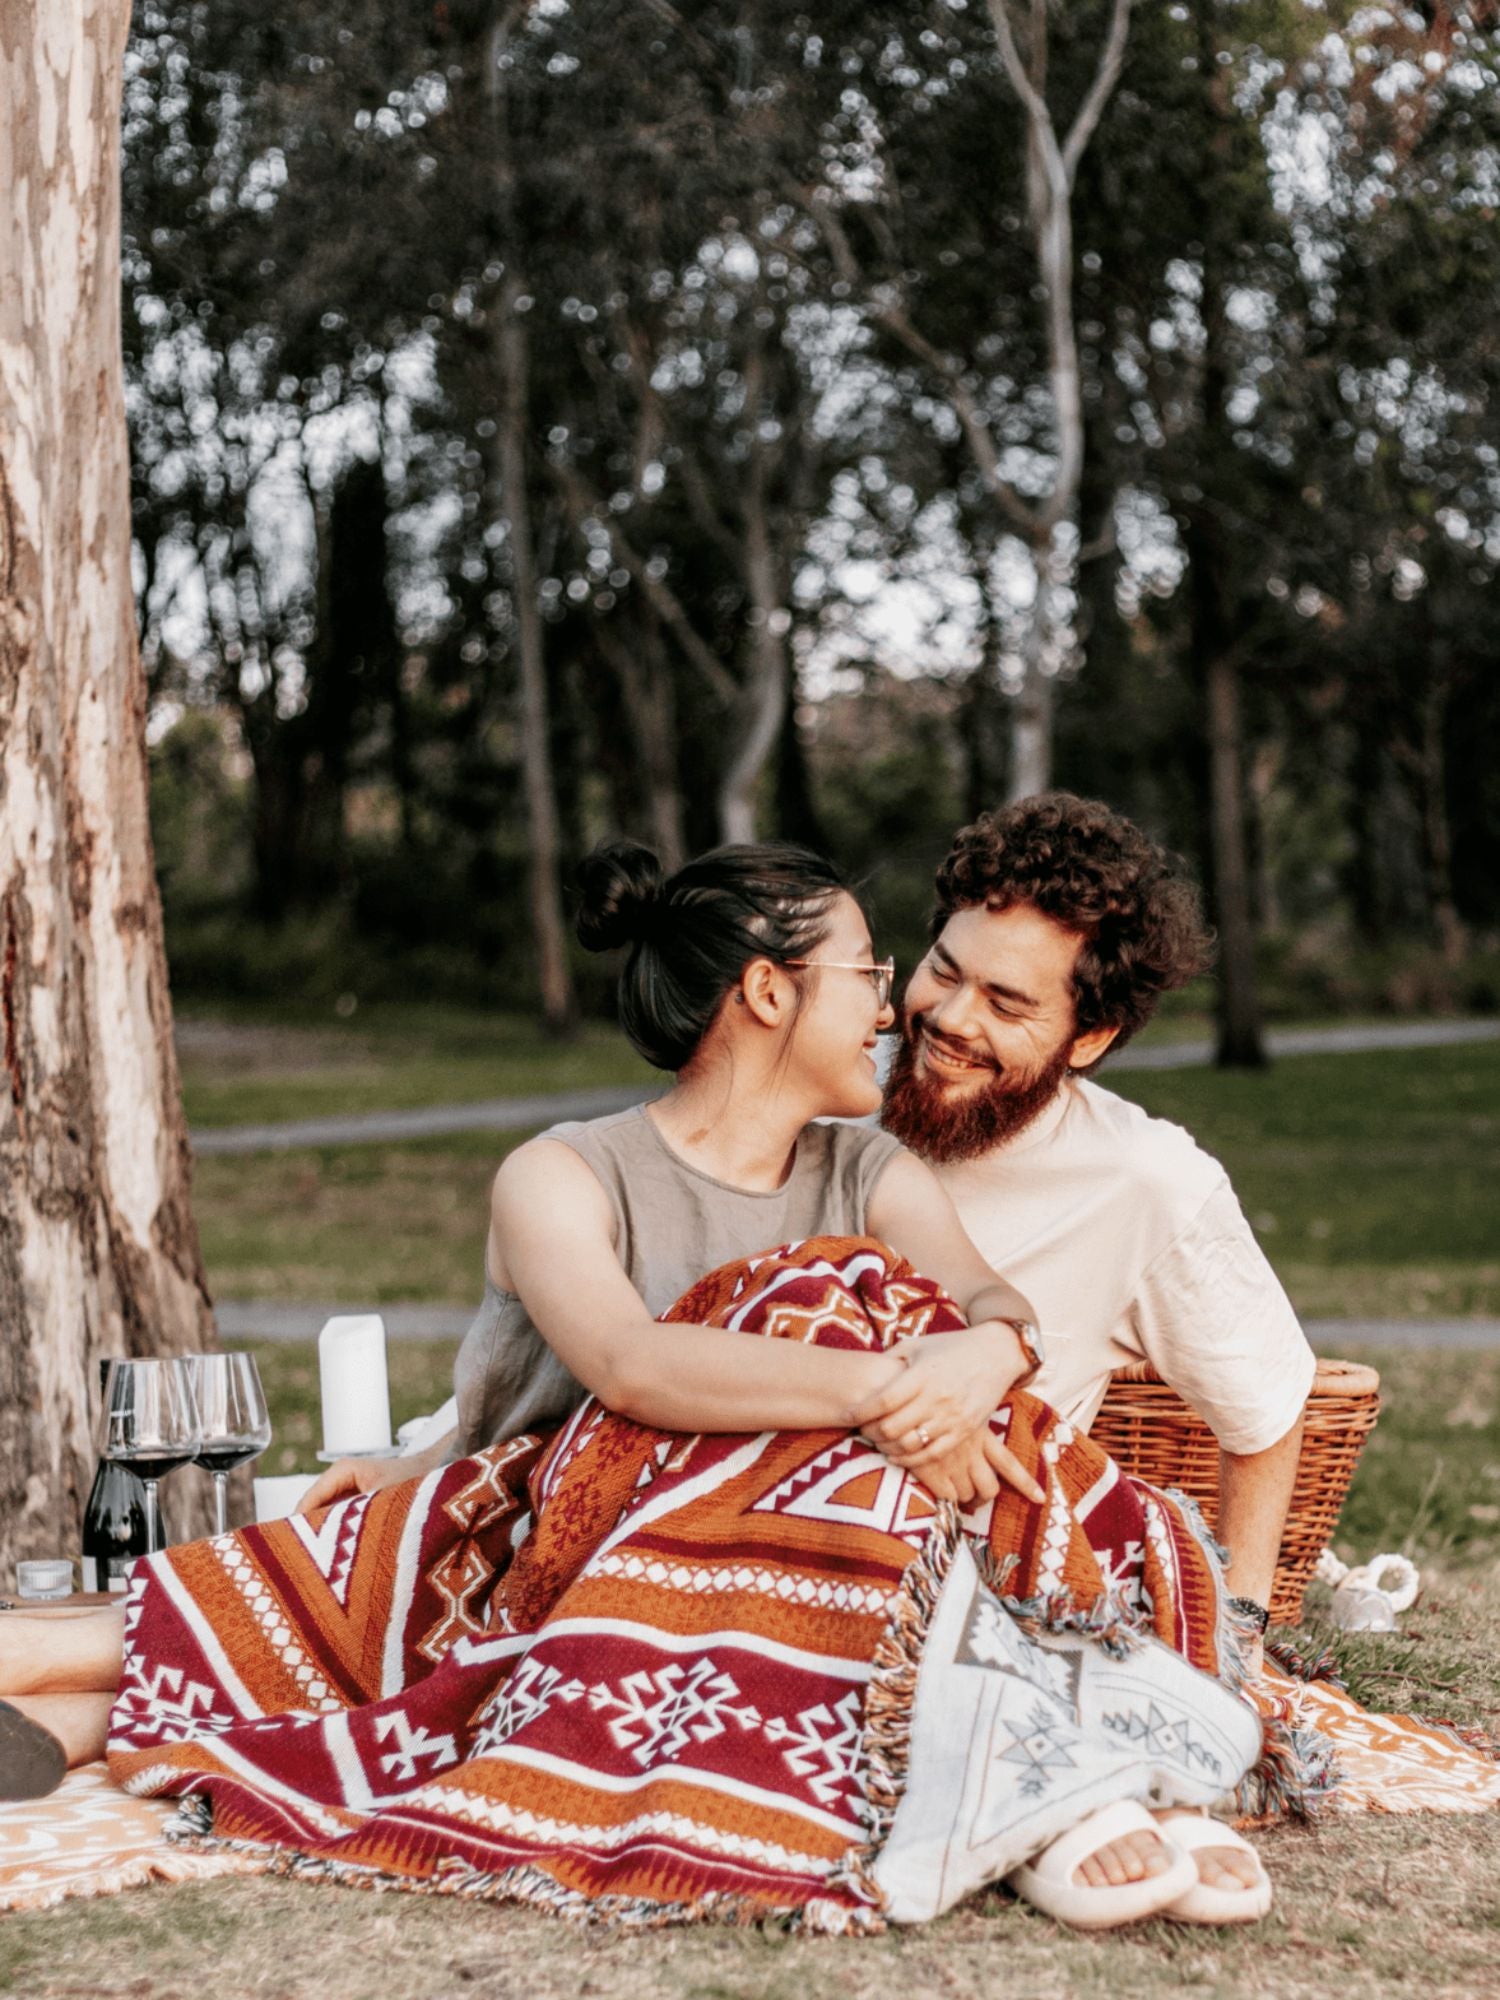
[1153, 1434]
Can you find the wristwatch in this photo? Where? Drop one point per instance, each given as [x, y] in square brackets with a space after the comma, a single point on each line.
[1256, 1614]
[1031, 1341]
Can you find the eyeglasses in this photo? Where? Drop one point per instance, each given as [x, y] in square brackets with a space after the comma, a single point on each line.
[883, 974]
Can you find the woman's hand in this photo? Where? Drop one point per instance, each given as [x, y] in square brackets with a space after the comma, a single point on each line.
[348, 1476]
[972, 1471]
[951, 1385]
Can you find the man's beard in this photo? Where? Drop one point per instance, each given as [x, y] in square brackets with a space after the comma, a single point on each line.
[944, 1123]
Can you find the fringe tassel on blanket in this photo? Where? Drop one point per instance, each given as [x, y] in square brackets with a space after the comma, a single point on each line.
[890, 1701]
[1298, 1768]
[534, 1887]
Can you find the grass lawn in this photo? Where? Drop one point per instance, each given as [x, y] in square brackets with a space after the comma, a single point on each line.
[1377, 1905]
[364, 1224]
[257, 1066]
[1369, 1178]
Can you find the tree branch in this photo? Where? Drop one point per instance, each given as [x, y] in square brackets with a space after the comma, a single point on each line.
[1106, 76]
[896, 322]
[657, 592]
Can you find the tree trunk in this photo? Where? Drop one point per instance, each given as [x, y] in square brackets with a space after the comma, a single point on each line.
[1240, 1043]
[644, 676]
[1437, 834]
[513, 365]
[762, 705]
[797, 815]
[554, 978]
[1050, 170]
[98, 1252]
[1031, 739]
[1048, 642]
[1217, 622]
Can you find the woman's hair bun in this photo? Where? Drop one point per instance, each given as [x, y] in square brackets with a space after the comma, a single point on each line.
[621, 891]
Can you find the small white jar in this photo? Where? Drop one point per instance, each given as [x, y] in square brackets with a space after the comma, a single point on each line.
[44, 1578]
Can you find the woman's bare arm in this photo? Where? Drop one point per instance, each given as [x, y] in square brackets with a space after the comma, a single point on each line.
[913, 1212]
[552, 1229]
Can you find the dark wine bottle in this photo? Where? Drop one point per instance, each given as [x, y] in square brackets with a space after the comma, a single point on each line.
[114, 1522]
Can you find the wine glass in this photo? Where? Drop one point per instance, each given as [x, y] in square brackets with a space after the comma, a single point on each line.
[234, 1426]
[149, 1424]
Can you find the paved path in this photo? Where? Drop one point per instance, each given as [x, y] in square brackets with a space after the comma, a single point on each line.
[427, 1121]
[521, 1114]
[250, 1319]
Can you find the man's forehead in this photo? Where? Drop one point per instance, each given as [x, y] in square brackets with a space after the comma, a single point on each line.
[1019, 945]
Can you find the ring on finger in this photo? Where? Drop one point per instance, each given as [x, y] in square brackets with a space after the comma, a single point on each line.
[924, 1434]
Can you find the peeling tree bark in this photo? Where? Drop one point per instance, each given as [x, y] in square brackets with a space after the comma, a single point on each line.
[98, 1250]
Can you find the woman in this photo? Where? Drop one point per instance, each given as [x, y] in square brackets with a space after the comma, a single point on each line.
[750, 977]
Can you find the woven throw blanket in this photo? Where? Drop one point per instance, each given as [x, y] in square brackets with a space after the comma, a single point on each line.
[92, 1839]
[657, 1677]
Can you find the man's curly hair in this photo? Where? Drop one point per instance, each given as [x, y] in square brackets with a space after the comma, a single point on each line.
[1094, 872]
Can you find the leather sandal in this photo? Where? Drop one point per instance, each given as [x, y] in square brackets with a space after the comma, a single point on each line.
[32, 1761]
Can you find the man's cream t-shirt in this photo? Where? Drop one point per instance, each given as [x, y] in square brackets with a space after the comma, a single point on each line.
[1128, 1240]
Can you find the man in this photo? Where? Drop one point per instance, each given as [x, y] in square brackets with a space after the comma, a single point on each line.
[1058, 926]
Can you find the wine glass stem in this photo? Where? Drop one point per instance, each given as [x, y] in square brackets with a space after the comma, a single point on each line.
[221, 1502]
[153, 1518]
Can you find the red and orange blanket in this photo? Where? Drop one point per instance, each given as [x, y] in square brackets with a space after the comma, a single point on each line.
[663, 1676]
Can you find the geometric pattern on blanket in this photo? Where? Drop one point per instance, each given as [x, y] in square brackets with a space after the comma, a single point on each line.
[620, 1669]
[89, 1838]
[1387, 1763]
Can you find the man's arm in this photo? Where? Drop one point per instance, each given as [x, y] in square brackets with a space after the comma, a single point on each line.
[1254, 1493]
[1212, 1316]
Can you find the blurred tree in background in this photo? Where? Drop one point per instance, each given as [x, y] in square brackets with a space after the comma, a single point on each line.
[707, 420]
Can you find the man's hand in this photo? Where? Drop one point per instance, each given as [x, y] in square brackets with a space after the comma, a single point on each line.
[952, 1384]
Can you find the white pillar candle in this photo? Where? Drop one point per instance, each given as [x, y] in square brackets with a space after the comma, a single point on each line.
[351, 1373]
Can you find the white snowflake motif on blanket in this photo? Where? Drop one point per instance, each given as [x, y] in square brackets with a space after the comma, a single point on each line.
[658, 1715]
[166, 1704]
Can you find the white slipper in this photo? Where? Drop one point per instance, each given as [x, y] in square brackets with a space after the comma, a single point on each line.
[1048, 1880]
[1206, 1905]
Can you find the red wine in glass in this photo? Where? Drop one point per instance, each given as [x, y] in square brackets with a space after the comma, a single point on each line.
[224, 1454]
[233, 1424]
[149, 1424]
[151, 1465]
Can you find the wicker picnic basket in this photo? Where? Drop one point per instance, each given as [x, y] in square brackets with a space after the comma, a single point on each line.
[1153, 1434]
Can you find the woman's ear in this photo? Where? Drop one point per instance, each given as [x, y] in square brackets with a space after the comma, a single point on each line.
[763, 991]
